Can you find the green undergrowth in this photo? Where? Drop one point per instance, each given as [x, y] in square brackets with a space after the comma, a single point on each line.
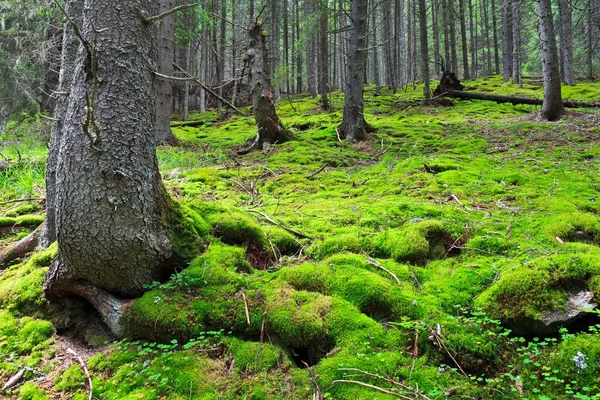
[420, 261]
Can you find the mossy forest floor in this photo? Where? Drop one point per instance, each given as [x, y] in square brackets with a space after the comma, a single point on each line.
[432, 255]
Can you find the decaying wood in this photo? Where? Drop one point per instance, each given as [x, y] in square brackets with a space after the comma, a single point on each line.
[21, 248]
[514, 99]
[14, 380]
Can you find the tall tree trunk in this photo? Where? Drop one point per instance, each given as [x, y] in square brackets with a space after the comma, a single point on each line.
[435, 7]
[112, 213]
[186, 85]
[390, 70]
[516, 26]
[70, 45]
[566, 41]
[473, 42]
[323, 54]
[299, 86]
[445, 19]
[376, 76]
[507, 40]
[424, 49]
[552, 109]
[286, 46]
[463, 35]
[495, 37]
[270, 130]
[401, 59]
[409, 42]
[488, 44]
[164, 87]
[452, 22]
[590, 42]
[354, 126]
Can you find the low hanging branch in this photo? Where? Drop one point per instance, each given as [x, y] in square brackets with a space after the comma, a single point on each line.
[202, 85]
[169, 12]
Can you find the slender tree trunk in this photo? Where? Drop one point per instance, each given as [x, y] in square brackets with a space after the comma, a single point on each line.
[354, 126]
[445, 19]
[552, 109]
[389, 50]
[453, 48]
[401, 58]
[566, 41]
[323, 54]
[507, 40]
[473, 42]
[424, 48]
[270, 130]
[590, 42]
[186, 85]
[409, 45]
[435, 7]
[376, 76]
[516, 69]
[70, 45]
[286, 46]
[495, 38]
[463, 35]
[164, 87]
[488, 44]
[299, 83]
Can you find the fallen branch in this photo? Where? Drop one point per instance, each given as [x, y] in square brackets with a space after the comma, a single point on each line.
[262, 325]
[190, 123]
[14, 380]
[82, 363]
[21, 248]
[21, 200]
[290, 230]
[389, 380]
[514, 99]
[313, 378]
[325, 165]
[375, 263]
[382, 390]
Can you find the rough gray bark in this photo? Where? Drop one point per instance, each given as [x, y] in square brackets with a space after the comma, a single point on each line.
[376, 75]
[110, 208]
[270, 130]
[436, 36]
[463, 36]
[70, 46]
[425, 49]
[323, 54]
[516, 33]
[445, 24]
[552, 109]
[495, 38]
[453, 47]
[164, 87]
[589, 26]
[507, 40]
[566, 41]
[354, 126]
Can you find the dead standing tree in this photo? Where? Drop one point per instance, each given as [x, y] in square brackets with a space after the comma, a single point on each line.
[270, 130]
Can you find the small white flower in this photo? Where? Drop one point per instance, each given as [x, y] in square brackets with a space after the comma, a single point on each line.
[157, 299]
[415, 303]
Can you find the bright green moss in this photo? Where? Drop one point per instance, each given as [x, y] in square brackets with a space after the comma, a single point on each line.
[284, 242]
[489, 244]
[29, 220]
[238, 228]
[71, 379]
[586, 344]
[33, 333]
[22, 210]
[576, 227]
[29, 391]
[253, 357]
[337, 244]
[220, 265]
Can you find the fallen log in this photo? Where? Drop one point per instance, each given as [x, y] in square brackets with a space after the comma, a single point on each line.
[21, 248]
[513, 99]
[189, 123]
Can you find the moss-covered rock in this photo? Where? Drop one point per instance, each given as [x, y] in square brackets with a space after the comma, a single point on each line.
[71, 379]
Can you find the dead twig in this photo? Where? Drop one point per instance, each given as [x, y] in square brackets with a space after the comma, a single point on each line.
[22, 200]
[14, 380]
[382, 390]
[262, 325]
[290, 230]
[82, 363]
[246, 308]
[313, 378]
[325, 165]
[375, 263]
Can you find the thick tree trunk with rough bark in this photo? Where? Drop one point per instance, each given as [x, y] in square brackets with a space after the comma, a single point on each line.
[566, 41]
[164, 87]
[354, 126]
[110, 209]
[552, 108]
[270, 130]
[507, 40]
[323, 54]
[70, 46]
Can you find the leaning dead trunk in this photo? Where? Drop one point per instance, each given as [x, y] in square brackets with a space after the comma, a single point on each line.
[552, 109]
[270, 130]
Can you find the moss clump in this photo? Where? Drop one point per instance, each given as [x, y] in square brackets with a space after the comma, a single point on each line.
[220, 265]
[284, 242]
[416, 243]
[588, 377]
[522, 294]
[21, 284]
[576, 227]
[22, 210]
[493, 244]
[237, 228]
[7, 221]
[30, 220]
[29, 391]
[33, 333]
[337, 244]
[254, 357]
[70, 380]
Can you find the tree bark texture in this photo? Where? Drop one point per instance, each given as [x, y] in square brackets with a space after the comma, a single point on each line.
[70, 46]
[323, 54]
[463, 36]
[552, 109]
[516, 26]
[425, 49]
[110, 206]
[353, 126]
[507, 40]
[270, 130]
[566, 41]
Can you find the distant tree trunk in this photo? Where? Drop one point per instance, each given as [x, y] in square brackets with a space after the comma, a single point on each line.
[552, 109]
[186, 85]
[446, 24]
[516, 25]
[70, 45]
[486, 27]
[507, 40]
[409, 44]
[435, 7]
[400, 59]
[424, 49]
[323, 54]
[354, 126]
[270, 130]
[495, 38]
[590, 42]
[164, 87]
[473, 42]
[299, 83]
[203, 62]
[286, 46]
[463, 35]
[311, 59]
[389, 49]
[453, 46]
[376, 76]
[566, 41]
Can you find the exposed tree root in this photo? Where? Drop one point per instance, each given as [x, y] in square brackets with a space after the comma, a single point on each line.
[21, 248]
[109, 306]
